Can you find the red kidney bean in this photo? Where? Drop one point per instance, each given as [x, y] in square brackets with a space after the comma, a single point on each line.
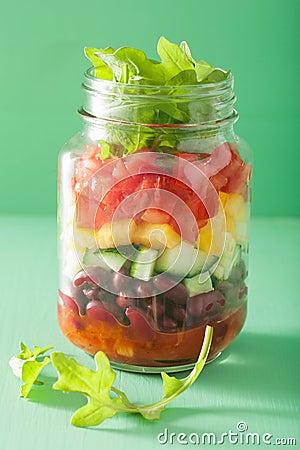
[119, 281]
[225, 286]
[95, 310]
[177, 312]
[125, 302]
[98, 275]
[93, 304]
[165, 284]
[80, 278]
[144, 289]
[114, 308]
[155, 306]
[91, 292]
[169, 325]
[106, 296]
[68, 301]
[80, 298]
[142, 326]
[212, 302]
[193, 322]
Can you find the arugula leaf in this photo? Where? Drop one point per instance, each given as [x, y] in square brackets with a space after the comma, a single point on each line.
[186, 49]
[138, 66]
[173, 57]
[131, 66]
[105, 150]
[216, 75]
[74, 377]
[203, 70]
[173, 387]
[102, 70]
[25, 366]
[98, 385]
[184, 77]
[30, 373]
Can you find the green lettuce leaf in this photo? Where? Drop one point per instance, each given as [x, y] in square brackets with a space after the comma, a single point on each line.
[74, 377]
[187, 51]
[187, 77]
[216, 75]
[30, 373]
[28, 364]
[203, 70]
[173, 58]
[97, 386]
[128, 60]
[102, 70]
[176, 70]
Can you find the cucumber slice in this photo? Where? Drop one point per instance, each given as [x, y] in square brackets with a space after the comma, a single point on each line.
[144, 263]
[109, 259]
[228, 260]
[184, 260]
[196, 287]
[203, 263]
[198, 264]
[178, 261]
[219, 272]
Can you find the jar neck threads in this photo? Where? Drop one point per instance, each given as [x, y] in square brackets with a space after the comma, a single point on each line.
[183, 106]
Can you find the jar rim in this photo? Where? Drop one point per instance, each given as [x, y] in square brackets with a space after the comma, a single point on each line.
[92, 83]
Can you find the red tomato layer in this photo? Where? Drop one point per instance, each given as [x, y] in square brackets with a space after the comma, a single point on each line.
[102, 186]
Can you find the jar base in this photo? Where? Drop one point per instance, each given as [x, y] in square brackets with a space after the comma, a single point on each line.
[154, 370]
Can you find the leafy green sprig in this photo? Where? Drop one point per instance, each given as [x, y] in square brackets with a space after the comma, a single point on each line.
[104, 400]
[166, 104]
[28, 365]
[131, 66]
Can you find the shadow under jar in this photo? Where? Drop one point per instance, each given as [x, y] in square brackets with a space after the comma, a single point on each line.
[153, 213]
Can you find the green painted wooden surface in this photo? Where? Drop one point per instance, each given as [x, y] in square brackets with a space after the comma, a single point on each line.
[255, 381]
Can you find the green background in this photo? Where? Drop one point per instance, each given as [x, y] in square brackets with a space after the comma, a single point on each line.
[42, 66]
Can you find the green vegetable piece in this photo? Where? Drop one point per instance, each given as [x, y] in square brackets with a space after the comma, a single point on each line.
[30, 373]
[138, 65]
[97, 386]
[186, 77]
[174, 59]
[105, 150]
[102, 70]
[26, 353]
[187, 51]
[25, 366]
[216, 75]
[130, 66]
[173, 387]
[203, 70]
[74, 377]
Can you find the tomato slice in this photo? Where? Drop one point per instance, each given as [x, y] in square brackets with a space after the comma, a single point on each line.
[113, 188]
[238, 182]
[92, 214]
[218, 181]
[238, 175]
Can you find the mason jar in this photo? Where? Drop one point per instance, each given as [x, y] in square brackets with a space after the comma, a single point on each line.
[153, 217]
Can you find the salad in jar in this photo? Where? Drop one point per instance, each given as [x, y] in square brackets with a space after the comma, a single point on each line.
[153, 212]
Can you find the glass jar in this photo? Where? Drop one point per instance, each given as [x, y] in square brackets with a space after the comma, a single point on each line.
[153, 213]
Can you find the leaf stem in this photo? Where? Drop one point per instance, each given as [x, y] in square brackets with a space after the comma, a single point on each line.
[202, 358]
